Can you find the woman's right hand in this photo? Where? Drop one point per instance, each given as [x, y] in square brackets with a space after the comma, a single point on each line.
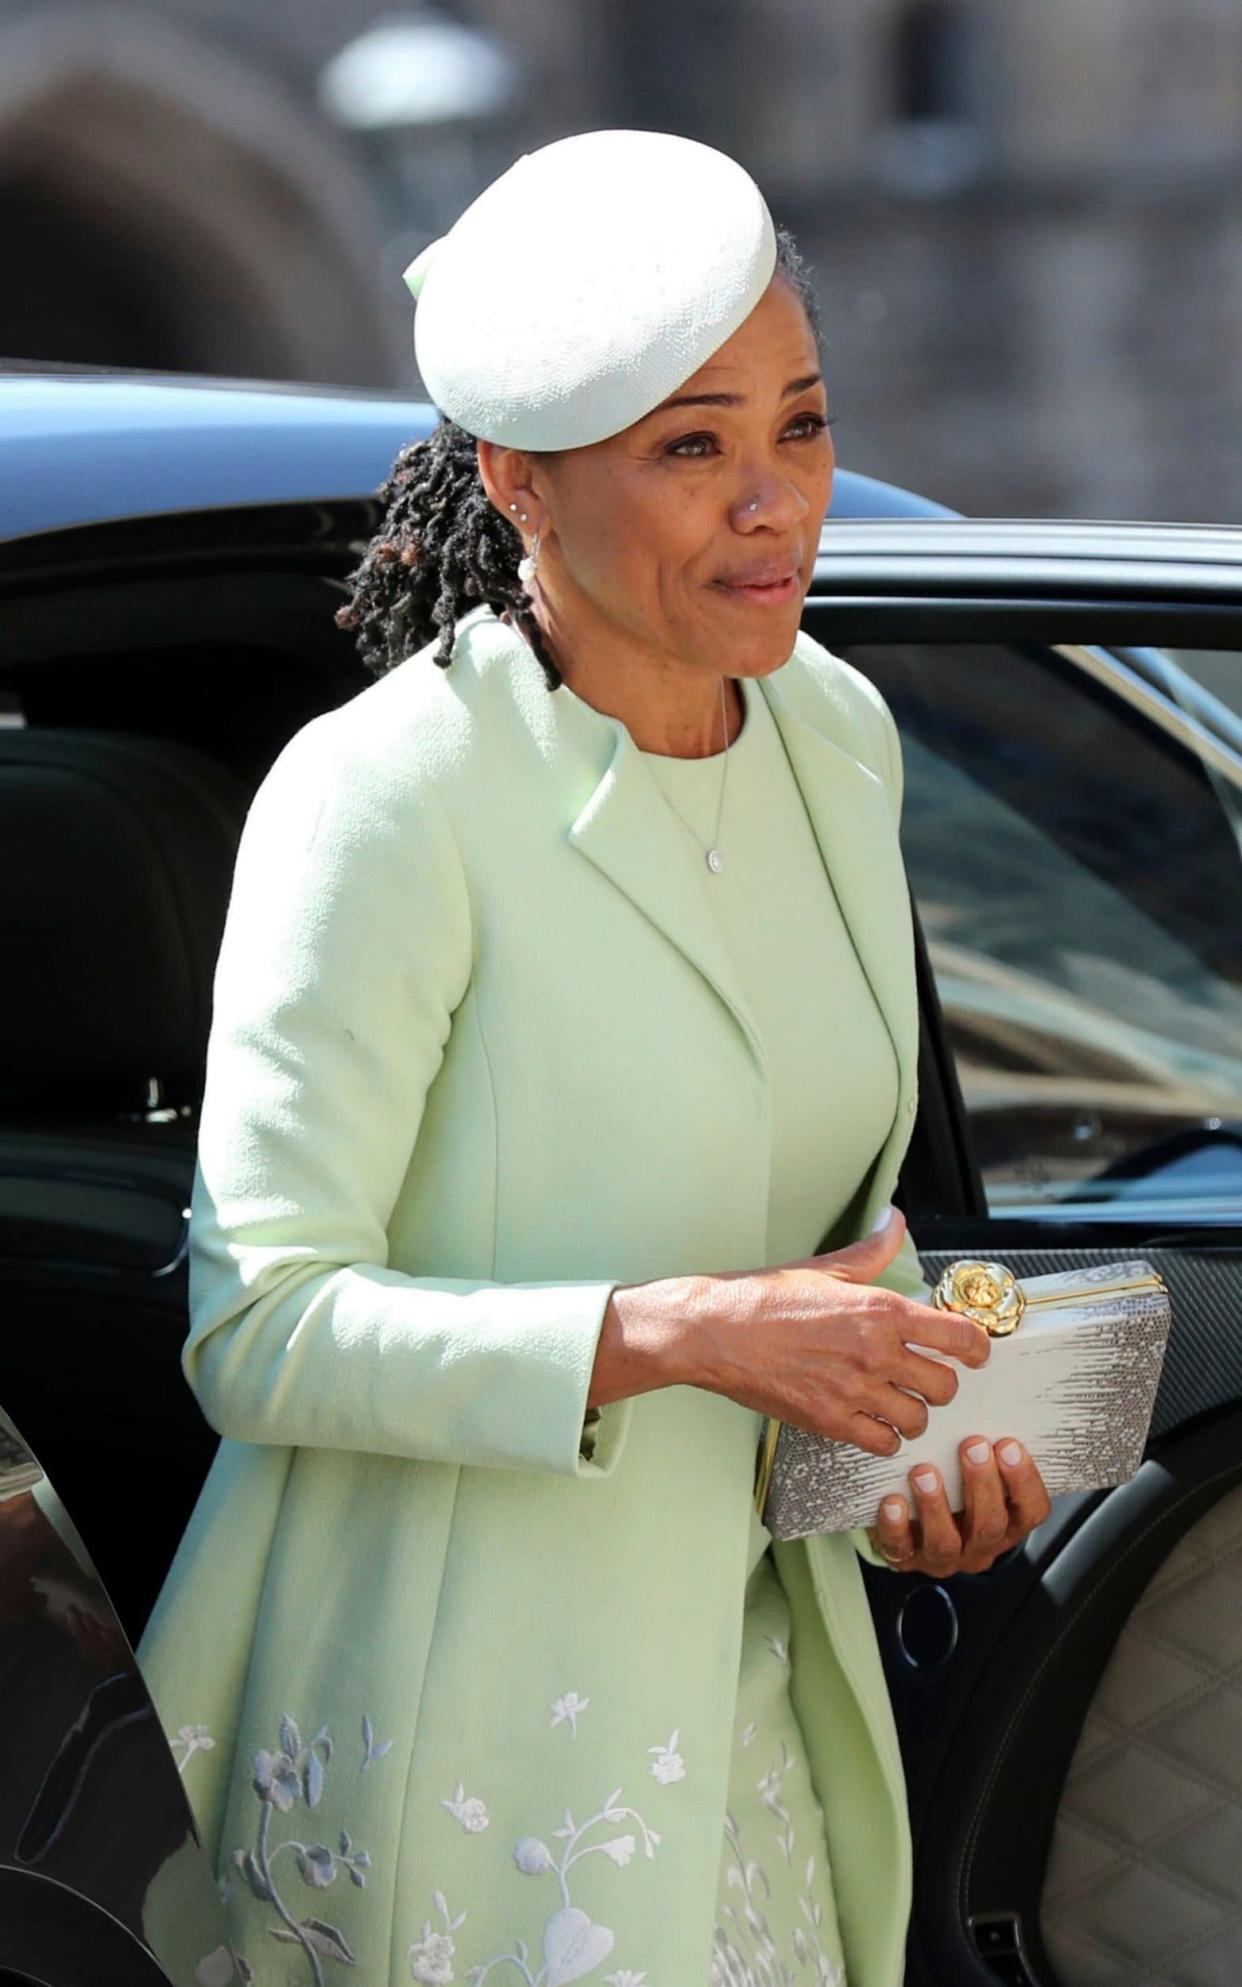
[819, 1344]
[816, 1343]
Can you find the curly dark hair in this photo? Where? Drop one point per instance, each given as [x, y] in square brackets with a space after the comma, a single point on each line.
[443, 547]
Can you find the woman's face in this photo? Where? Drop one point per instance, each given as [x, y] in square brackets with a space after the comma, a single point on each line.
[645, 536]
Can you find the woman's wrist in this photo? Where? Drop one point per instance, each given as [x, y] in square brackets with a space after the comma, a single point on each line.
[653, 1335]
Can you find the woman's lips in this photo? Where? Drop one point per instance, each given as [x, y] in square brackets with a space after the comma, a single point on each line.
[773, 595]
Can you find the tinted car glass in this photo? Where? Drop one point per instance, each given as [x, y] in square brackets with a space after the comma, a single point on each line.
[1072, 839]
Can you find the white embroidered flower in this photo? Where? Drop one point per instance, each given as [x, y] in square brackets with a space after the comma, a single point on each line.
[573, 1946]
[215, 1969]
[668, 1764]
[276, 1779]
[567, 1709]
[772, 1783]
[749, 1733]
[431, 1956]
[192, 1739]
[532, 1856]
[470, 1812]
[779, 1647]
[744, 1953]
[431, 1960]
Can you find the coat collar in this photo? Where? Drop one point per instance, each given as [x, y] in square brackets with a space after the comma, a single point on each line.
[622, 828]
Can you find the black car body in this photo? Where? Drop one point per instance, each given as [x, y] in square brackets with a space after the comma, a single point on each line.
[171, 553]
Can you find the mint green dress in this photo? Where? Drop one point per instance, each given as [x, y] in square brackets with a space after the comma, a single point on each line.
[835, 1093]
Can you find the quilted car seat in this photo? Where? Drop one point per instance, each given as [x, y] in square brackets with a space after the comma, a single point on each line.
[1144, 1880]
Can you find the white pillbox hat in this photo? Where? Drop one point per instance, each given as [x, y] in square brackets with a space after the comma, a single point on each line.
[587, 283]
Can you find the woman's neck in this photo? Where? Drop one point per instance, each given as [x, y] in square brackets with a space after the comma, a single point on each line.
[668, 707]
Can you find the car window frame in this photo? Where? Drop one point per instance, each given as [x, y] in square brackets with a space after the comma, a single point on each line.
[941, 1187]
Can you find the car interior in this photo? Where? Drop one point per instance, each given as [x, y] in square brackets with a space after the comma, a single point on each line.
[132, 738]
[1071, 1721]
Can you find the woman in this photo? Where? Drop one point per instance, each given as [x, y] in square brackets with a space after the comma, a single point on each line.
[552, 1097]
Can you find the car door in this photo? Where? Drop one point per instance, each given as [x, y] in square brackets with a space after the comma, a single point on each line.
[1069, 700]
[104, 1879]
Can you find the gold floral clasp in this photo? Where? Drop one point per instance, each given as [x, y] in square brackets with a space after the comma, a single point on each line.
[988, 1293]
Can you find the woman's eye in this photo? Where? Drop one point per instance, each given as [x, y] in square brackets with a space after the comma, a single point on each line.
[689, 447]
[812, 426]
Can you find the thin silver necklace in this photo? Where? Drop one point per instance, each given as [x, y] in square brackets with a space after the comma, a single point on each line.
[715, 861]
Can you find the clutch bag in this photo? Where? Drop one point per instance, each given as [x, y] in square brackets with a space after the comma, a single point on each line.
[1072, 1374]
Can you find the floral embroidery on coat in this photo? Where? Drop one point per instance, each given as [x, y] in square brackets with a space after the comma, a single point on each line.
[568, 1710]
[290, 1775]
[431, 1957]
[668, 1764]
[744, 1951]
[370, 1751]
[573, 1945]
[192, 1738]
[770, 1794]
[469, 1811]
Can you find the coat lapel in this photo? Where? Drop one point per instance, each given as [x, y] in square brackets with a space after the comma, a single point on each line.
[625, 832]
[852, 817]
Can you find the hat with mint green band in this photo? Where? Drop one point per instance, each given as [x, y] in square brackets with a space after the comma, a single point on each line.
[587, 283]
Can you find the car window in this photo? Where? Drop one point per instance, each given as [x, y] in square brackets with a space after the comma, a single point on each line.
[1072, 828]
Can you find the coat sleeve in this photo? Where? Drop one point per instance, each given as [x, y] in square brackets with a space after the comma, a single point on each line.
[347, 947]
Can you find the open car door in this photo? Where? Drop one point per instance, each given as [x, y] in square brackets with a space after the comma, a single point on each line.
[1070, 703]
[103, 1879]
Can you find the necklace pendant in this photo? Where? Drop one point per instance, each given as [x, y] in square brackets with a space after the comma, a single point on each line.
[715, 861]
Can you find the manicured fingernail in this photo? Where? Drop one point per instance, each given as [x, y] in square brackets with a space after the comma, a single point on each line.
[882, 1220]
[894, 1510]
[978, 1452]
[1011, 1453]
[925, 1479]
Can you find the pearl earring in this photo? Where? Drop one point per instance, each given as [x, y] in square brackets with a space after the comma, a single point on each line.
[528, 566]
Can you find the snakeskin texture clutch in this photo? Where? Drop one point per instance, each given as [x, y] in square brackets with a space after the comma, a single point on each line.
[1073, 1374]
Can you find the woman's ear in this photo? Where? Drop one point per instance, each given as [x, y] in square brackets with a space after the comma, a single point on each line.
[505, 475]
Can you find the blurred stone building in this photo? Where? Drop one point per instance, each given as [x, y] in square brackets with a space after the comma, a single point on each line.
[1024, 222]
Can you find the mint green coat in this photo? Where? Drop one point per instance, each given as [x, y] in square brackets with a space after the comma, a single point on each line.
[450, 1699]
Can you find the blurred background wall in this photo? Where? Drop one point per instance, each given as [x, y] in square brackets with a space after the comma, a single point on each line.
[1024, 221]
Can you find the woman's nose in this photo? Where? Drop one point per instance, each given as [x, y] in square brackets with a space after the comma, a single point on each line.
[774, 501]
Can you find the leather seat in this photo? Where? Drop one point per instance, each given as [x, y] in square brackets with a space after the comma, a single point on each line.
[120, 852]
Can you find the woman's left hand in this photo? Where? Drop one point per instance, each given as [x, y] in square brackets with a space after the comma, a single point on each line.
[1005, 1499]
